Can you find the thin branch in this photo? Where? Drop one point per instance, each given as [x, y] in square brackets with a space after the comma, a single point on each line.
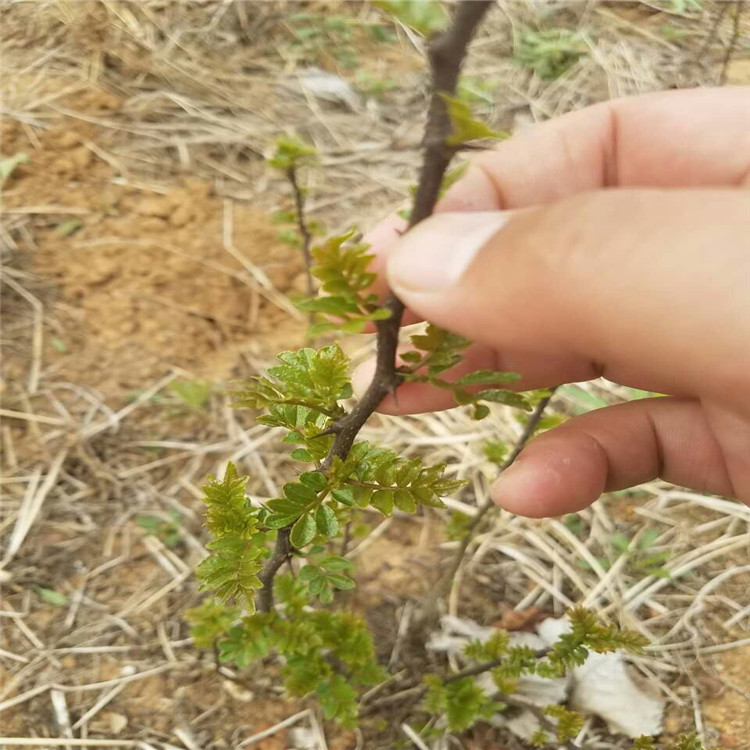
[446, 52]
[304, 230]
[444, 584]
[415, 691]
[282, 551]
[732, 42]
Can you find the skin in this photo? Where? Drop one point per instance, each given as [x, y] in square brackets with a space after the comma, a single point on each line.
[615, 242]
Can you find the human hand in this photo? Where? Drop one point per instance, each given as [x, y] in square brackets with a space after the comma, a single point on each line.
[614, 242]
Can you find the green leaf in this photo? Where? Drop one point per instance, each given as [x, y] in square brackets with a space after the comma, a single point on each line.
[210, 621]
[228, 511]
[335, 562]
[291, 153]
[300, 454]
[279, 520]
[309, 379]
[309, 573]
[425, 16]
[303, 531]
[340, 581]
[231, 570]
[55, 598]
[480, 411]
[488, 377]
[509, 398]
[285, 507]
[330, 306]
[465, 127]
[549, 53]
[342, 268]
[344, 495]
[326, 521]
[247, 642]
[382, 500]
[300, 494]
[314, 480]
[404, 500]
[8, 165]
[66, 228]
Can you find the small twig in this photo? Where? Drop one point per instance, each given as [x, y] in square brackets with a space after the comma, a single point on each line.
[304, 230]
[732, 42]
[444, 584]
[415, 691]
[711, 35]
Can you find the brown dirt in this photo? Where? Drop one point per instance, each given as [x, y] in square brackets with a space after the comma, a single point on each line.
[140, 279]
[729, 711]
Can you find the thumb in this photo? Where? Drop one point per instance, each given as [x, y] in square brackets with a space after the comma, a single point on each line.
[610, 277]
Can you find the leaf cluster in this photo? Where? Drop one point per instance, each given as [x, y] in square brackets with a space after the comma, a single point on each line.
[462, 702]
[341, 267]
[291, 153]
[314, 379]
[549, 53]
[464, 126]
[437, 350]
[237, 548]
[424, 16]
[328, 654]
[587, 634]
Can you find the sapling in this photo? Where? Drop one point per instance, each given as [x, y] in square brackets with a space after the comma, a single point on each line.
[275, 569]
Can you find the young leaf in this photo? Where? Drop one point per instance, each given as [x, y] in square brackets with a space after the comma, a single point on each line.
[227, 509]
[315, 379]
[344, 495]
[303, 531]
[291, 153]
[55, 598]
[425, 16]
[231, 570]
[488, 377]
[326, 521]
[335, 562]
[465, 127]
[209, 621]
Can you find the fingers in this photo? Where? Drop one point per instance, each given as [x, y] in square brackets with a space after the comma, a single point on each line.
[536, 371]
[569, 467]
[666, 139]
[650, 286]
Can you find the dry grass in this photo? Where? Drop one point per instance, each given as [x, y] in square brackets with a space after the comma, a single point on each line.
[170, 90]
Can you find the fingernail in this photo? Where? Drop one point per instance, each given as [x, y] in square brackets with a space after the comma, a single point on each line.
[434, 255]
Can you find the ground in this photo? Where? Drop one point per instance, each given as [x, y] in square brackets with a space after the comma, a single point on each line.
[143, 271]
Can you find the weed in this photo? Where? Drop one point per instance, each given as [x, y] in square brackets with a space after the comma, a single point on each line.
[549, 53]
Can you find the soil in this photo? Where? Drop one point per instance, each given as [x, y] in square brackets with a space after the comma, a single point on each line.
[140, 280]
[729, 710]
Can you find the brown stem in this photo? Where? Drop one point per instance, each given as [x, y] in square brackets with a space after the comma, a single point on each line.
[304, 230]
[282, 551]
[446, 52]
[444, 584]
